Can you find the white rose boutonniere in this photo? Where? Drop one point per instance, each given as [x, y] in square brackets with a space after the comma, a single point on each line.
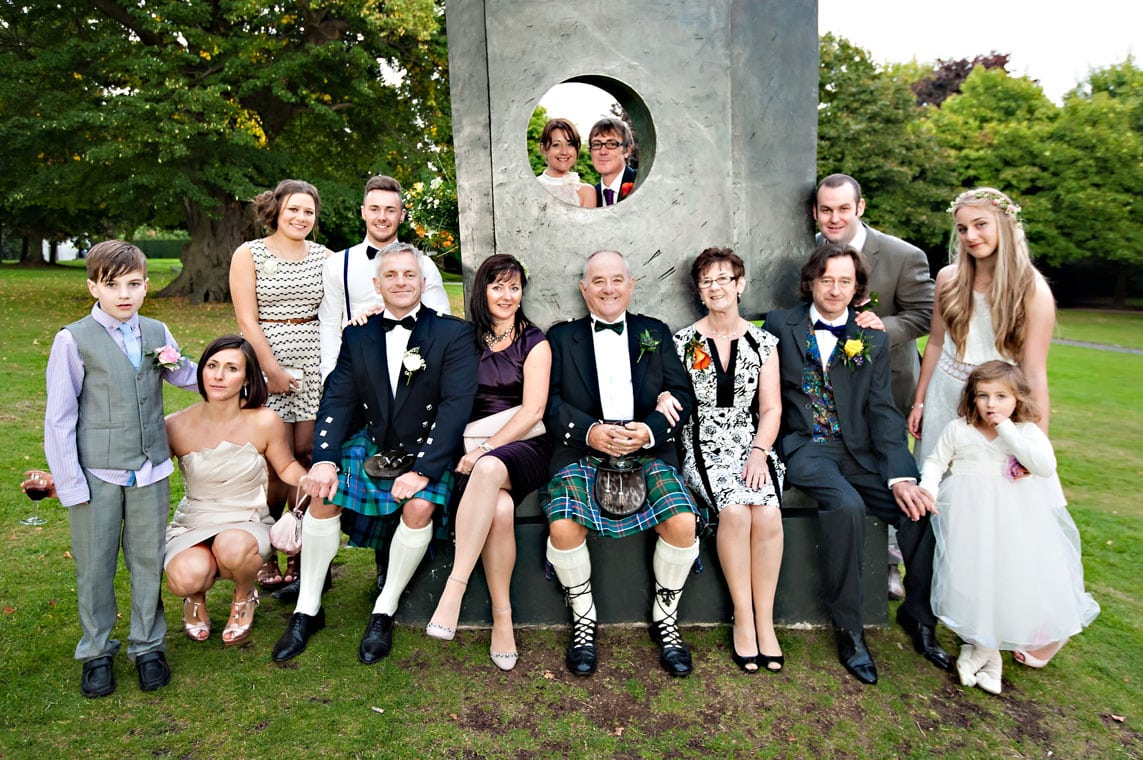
[412, 362]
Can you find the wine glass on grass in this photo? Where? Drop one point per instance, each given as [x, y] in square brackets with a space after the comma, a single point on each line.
[37, 487]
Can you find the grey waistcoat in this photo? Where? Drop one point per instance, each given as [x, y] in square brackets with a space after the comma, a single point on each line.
[120, 409]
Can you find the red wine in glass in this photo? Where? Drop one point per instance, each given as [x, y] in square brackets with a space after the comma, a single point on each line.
[37, 489]
[35, 494]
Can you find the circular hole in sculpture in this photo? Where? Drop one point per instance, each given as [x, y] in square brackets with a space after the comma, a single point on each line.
[624, 143]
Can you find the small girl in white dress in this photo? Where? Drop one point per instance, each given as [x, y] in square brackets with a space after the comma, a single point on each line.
[1007, 571]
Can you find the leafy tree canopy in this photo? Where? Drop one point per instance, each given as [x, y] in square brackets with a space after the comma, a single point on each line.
[169, 112]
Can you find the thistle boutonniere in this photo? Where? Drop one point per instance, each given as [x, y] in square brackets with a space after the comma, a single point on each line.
[166, 357]
[648, 344]
[695, 353]
[855, 351]
[870, 303]
[412, 361]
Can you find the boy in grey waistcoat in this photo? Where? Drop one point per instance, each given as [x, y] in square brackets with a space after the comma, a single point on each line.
[106, 447]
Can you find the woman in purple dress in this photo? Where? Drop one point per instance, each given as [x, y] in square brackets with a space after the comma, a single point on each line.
[515, 361]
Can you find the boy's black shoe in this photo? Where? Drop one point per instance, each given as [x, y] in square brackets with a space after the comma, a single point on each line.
[154, 672]
[98, 679]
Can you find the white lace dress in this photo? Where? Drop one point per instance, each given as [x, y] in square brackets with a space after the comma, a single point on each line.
[947, 382]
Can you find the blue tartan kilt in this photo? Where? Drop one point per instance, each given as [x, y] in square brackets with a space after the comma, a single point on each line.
[569, 496]
[369, 501]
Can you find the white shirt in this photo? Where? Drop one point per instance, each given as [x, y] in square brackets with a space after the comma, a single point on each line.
[858, 241]
[362, 295]
[827, 341]
[396, 344]
[613, 366]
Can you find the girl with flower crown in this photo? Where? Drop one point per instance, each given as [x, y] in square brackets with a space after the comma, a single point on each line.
[991, 304]
[1006, 572]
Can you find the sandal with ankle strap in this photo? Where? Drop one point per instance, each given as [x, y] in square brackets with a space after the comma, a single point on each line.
[197, 630]
[239, 632]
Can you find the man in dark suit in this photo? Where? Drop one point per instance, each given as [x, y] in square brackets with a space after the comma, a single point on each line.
[409, 374]
[608, 371]
[900, 293]
[843, 441]
[610, 144]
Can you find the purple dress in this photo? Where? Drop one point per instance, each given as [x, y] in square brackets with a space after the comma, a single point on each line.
[500, 386]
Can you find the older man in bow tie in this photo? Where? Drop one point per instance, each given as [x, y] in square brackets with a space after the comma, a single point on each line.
[608, 371]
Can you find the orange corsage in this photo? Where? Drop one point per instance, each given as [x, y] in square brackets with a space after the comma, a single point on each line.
[697, 357]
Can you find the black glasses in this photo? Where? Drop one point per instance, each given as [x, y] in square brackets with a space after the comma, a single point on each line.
[609, 144]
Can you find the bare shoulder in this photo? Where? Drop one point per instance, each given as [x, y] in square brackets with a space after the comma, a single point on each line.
[947, 273]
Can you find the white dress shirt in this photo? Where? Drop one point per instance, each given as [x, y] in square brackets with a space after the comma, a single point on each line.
[396, 344]
[332, 316]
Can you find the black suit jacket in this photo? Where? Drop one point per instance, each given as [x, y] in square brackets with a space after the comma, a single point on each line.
[431, 408]
[629, 175]
[872, 428]
[573, 404]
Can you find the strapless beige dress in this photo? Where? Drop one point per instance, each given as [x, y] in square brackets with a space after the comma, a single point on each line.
[225, 490]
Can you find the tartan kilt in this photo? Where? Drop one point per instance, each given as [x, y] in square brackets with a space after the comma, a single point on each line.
[369, 501]
[569, 496]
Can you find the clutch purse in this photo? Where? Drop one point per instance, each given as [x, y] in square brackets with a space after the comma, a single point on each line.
[286, 534]
[619, 489]
[389, 464]
[479, 431]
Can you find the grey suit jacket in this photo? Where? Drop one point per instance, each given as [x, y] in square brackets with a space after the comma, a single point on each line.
[899, 275]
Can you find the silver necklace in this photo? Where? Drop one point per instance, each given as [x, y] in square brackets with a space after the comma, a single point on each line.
[491, 340]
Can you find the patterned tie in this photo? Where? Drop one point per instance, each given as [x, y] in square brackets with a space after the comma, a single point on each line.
[608, 196]
[131, 344]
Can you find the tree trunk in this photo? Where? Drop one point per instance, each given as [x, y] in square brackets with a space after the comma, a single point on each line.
[32, 250]
[1119, 297]
[215, 233]
[54, 252]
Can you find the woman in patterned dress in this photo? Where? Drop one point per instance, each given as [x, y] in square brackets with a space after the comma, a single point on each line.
[728, 450]
[276, 286]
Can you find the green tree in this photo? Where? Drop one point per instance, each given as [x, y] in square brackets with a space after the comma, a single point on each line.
[1096, 167]
[171, 113]
[870, 128]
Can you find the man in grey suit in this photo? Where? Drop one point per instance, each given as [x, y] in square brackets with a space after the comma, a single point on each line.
[900, 287]
[900, 293]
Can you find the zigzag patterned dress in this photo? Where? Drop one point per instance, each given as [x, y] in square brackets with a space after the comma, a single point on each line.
[291, 290]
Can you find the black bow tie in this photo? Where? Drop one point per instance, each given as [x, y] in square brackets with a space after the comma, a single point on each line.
[407, 322]
[370, 252]
[837, 330]
[616, 326]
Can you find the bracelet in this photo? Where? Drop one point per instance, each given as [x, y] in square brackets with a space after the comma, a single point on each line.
[918, 406]
[765, 452]
[660, 396]
[485, 447]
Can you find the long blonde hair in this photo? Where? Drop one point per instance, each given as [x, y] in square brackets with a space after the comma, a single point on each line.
[1013, 281]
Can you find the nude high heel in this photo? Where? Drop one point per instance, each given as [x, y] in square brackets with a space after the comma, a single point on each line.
[441, 631]
[195, 628]
[236, 633]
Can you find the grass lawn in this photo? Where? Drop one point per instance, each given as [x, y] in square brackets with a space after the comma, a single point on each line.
[430, 699]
